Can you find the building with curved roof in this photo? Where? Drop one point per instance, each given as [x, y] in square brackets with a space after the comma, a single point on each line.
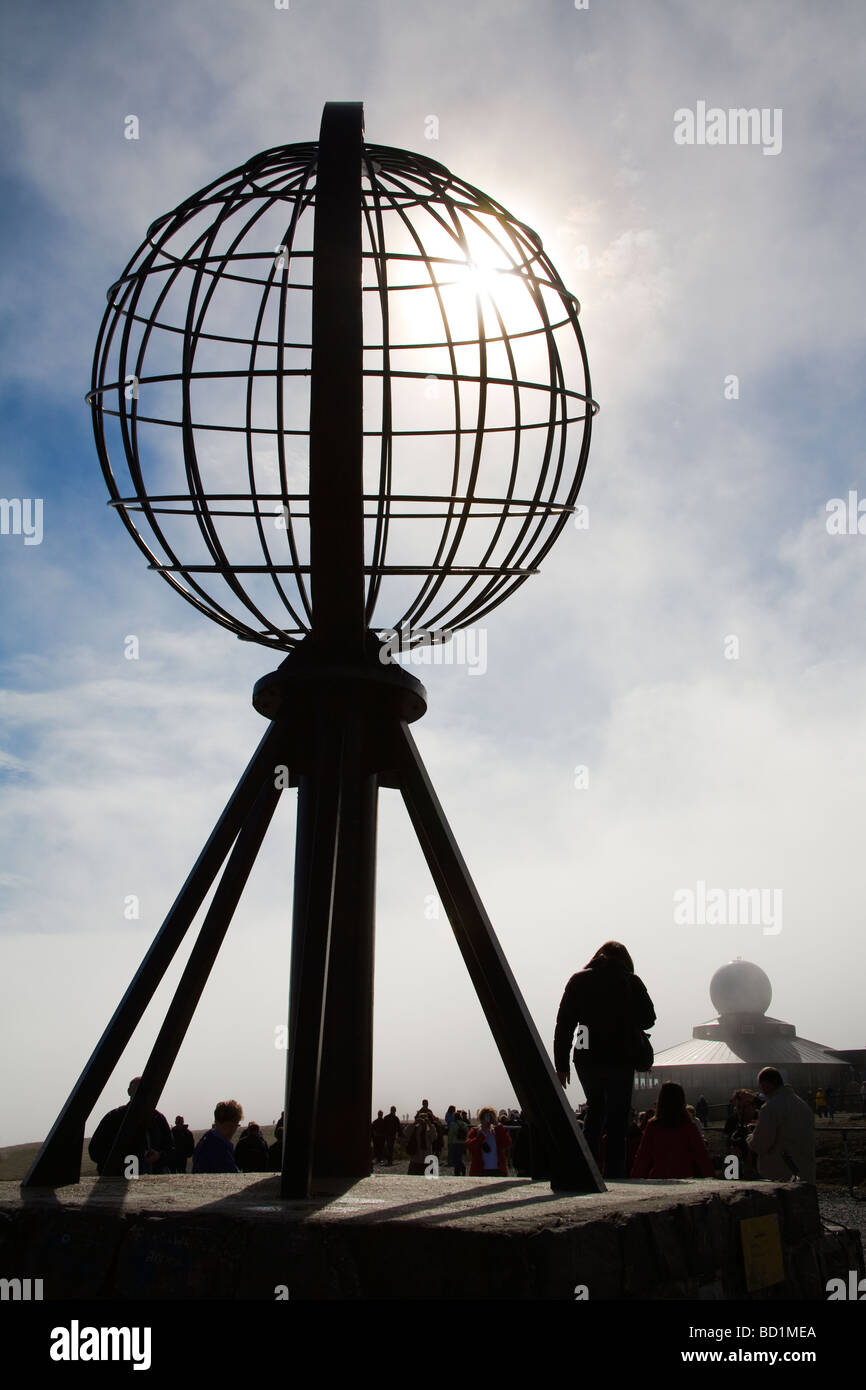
[730, 1050]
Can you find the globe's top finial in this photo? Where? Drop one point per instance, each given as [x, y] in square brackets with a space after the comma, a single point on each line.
[470, 358]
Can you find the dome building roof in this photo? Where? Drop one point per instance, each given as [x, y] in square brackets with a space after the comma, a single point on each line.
[729, 1050]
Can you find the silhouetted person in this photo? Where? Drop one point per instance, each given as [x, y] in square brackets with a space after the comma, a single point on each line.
[184, 1143]
[458, 1129]
[783, 1136]
[742, 1114]
[521, 1153]
[275, 1152]
[487, 1144]
[152, 1144]
[702, 1110]
[420, 1143]
[633, 1137]
[251, 1151]
[214, 1152]
[612, 1006]
[393, 1128]
[377, 1131]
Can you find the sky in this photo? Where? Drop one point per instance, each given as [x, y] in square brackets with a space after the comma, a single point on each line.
[676, 699]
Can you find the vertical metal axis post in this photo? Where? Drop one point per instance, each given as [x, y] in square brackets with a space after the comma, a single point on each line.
[329, 1073]
[336, 387]
[342, 1133]
[317, 843]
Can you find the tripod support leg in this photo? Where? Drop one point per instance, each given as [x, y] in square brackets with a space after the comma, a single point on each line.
[342, 1136]
[317, 846]
[194, 978]
[567, 1158]
[59, 1160]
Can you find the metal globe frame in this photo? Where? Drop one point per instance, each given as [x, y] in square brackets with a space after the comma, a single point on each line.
[162, 340]
[338, 709]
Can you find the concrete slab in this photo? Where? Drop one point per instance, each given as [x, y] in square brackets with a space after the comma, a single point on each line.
[392, 1236]
[397, 1197]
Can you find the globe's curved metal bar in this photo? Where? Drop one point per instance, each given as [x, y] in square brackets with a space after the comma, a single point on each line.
[458, 431]
[376, 235]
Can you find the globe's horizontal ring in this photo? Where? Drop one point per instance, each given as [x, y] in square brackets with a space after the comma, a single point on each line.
[274, 281]
[448, 498]
[511, 513]
[222, 258]
[393, 374]
[368, 569]
[556, 423]
[442, 344]
[392, 288]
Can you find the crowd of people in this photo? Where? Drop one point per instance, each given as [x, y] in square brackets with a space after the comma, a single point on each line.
[769, 1131]
[157, 1148]
[825, 1101]
[454, 1139]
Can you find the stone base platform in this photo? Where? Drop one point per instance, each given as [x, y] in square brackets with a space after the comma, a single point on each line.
[396, 1237]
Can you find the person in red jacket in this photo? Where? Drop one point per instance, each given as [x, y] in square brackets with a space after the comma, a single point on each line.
[672, 1146]
[488, 1143]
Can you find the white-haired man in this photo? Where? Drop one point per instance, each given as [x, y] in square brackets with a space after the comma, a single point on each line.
[783, 1136]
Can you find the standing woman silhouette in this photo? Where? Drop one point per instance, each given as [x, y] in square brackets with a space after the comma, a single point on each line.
[612, 1006]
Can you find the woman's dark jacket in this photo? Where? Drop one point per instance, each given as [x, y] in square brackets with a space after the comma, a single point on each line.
[252, 1154]
[613, 1006]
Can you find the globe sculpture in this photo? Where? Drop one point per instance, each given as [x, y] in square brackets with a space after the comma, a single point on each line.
[341, 401]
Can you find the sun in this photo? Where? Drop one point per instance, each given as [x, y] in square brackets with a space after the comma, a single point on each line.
[490, 274]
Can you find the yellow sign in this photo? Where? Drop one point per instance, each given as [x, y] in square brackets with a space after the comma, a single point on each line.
[762, 1251]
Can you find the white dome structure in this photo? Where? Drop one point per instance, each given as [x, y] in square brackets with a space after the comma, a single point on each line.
[741, 988]
[728, 1052]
